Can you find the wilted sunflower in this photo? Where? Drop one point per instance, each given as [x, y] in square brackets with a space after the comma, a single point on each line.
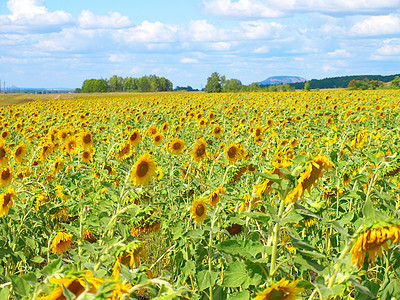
[373, 240]
[144, 170]
[20, 152]
[4, 154]
[176, 145]
[135, 138]
[199, 150]
[233, 153]
[6, 201]
[283, 290]
[128, 255]
[89, 236]
[61, 242]
[6, 176]
[199, 210]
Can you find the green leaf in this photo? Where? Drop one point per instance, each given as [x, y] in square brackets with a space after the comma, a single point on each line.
[292, 217]
[368, 210]
[52, 267]
[308, 263]
[4, 293]
[339, 228]
[37, 259]
[235, 275]
[20, 286]
[206, 279]
[68, 294]
[233, 247]
[272, 177]
[243, 295]
[390, 289]
[360, 288]
[258, 216]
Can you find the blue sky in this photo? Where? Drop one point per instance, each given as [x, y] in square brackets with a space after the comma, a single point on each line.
[59, 43]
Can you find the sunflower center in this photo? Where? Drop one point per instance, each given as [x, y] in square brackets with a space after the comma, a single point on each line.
[232, 152]
[201, 150]
[17, 152]
[258, 131]
[176, 146]
[5, 175]
[87, 139]
[142, 169]
[7, 199]
[2, 152]
[133, 136]
[217, 130]
[86, 155]
[276, 295]
[200, 209]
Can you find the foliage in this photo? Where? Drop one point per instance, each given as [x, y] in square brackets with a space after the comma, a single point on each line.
[266, 194]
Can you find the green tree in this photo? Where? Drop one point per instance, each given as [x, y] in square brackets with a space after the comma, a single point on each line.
[395, 84]
[213, 84]
[94, 85]
[232, 85]
[116, 83]
[307, 86]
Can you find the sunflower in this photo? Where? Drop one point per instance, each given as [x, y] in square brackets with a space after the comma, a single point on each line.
[199, 150]
[233, 153]
[152, 130]
[6, 201]
[199, 210]
[309, 178]
[128, 255]
[86, 139]
[75, 285]
[5, 135]
[144, 170]
[124, 151]
[373, 240]
[61, 242]
[215, 196]
[283, 290]
[176, 145]
[158, 139]
[87, 156]
[218, 131]
[89, 236]
[165, 127]
[20, 152]
[4, 154]
[71, 146]
[62, 135]
[135, 138]
[58, 165]
[346, 179]
[6, 176]
[60, 193]
[41, 198]
[46, 150]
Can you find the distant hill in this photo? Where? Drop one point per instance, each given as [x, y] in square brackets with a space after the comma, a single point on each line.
[341, 82]
[282, 79]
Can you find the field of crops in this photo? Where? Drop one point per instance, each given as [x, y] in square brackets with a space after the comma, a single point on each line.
[201, 196]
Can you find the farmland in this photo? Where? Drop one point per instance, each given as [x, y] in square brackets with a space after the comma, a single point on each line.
[201, 196]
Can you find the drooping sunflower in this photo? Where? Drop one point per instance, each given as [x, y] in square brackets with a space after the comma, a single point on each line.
[4, 154]
[124, 151]
[135, 138]
[199, 210]
[89, 236]
[373, 240]
[176, 145]
[61, 242]
[309, 178]
[215, 196]
[20, 152]
[199, 150]
[144, 170]
[6, 201]
[6, 176]
[233, 153]
[76, 284]
[283, 290]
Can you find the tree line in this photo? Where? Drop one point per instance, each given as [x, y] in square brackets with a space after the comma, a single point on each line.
[147, 83]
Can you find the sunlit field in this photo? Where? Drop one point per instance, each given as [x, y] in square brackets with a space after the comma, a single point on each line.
[201, 196]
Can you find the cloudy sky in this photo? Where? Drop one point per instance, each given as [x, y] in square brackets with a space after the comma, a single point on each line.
[59, 43]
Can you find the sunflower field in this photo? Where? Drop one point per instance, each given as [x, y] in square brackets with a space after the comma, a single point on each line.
[201, 196]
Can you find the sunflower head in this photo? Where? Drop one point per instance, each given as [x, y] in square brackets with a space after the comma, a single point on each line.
[61, 242]
[199, 210]
[144, 170]
[234, 153]
[135, 138]
[176, 146]
[199, 150]
[86, 139]
[158, 139]
[6, 201]
[20, 152]
[283, 290]
[6, 176]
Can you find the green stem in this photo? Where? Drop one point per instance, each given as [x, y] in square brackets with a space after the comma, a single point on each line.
[275, 240]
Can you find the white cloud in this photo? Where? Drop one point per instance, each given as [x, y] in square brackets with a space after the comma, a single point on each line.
[391, 47]
[189, 60]
[89, 20]
[262, 49]
[31, 16]
[274, 8]
[135, 70]
[148, 32]
[339, 53]
[201, 31]
[258, 29]
[118, 57]
[220, 46]
[377, 25]
[328, 68]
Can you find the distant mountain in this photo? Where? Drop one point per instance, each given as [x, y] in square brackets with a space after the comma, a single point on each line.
[281, 79]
